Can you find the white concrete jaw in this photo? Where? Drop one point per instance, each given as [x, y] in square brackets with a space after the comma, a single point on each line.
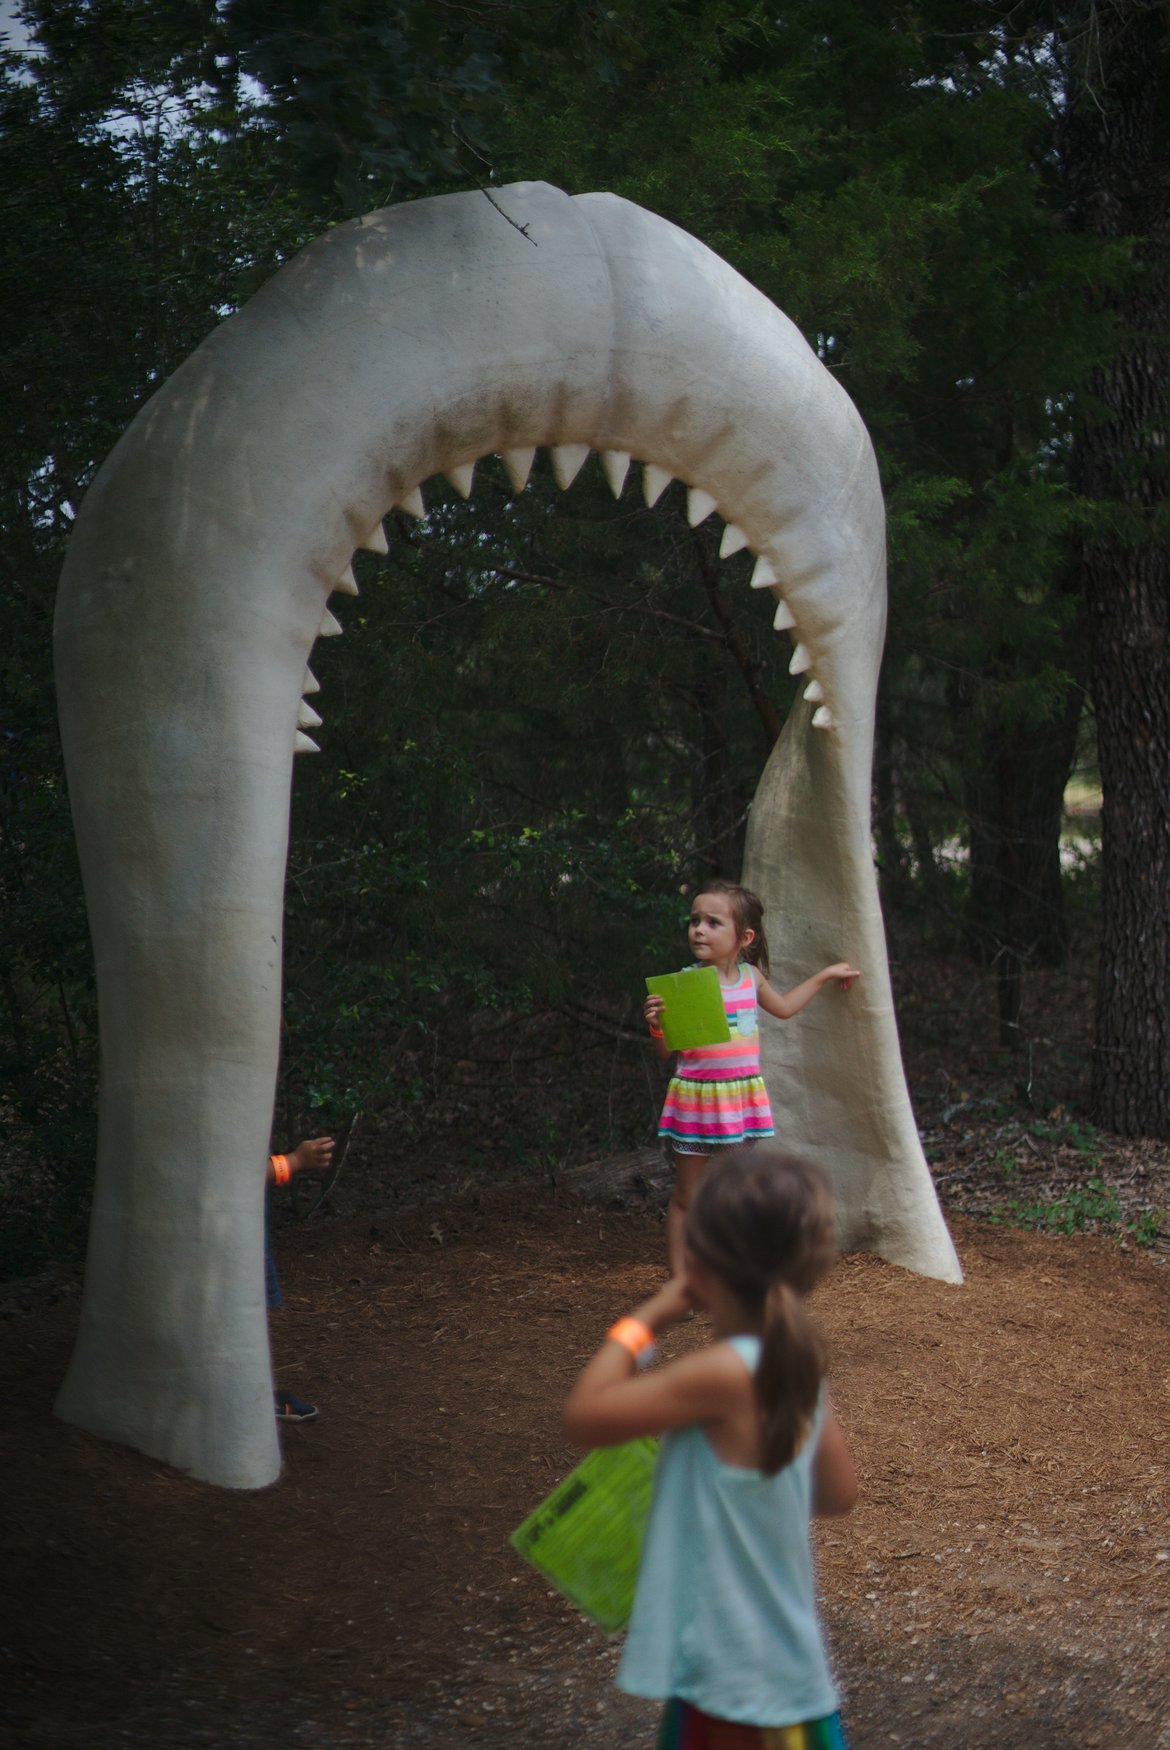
[409, 344]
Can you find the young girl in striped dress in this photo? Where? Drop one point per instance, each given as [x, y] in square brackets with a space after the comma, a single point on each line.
[716, 1097]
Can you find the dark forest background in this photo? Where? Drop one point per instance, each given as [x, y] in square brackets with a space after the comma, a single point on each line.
[549, 712]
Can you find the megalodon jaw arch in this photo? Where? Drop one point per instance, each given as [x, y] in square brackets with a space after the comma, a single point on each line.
[403, 345]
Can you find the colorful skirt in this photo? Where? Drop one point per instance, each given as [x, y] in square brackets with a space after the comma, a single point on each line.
[699, 1116]
[685, 1727]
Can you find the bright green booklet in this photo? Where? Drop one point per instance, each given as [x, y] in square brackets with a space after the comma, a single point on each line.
[587, 1536]
[694, 1012]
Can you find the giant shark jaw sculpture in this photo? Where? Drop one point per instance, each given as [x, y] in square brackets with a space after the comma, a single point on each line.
[407, 344]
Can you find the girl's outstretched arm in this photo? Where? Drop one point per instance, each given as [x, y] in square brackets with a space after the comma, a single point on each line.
[834, 1478]
[612, 1401]
[785, 1004]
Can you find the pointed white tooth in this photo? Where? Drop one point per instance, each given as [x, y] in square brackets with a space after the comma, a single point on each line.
[700, 504]
[763, 577]
[519, 466]
[462, 477]
[814, 692]
[567, 462]
[330, 627]
[412, 503]
[822, 718]
[733, 540]
[655, 480]
[307, 717]
[801, 661]
[305, 744]
[785, 619]
[310, 684]
[347, 582]
[616, 464]
[375, 541]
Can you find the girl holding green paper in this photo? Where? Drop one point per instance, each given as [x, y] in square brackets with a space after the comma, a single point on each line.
[716, 1097]
[724, 1627]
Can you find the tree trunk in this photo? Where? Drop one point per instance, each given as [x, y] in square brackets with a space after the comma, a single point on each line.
[1015, 808]
[1117, 149]
[1041, 882]
[717, 823]
[891, 860]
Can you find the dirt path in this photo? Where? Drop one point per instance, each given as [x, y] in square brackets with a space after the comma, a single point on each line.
[1005, 1582]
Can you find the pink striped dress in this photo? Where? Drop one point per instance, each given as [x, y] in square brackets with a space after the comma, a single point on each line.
[716, 1096]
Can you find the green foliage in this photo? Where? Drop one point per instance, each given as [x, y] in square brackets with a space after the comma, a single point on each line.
[48, 1033]
[1092, 1207]
[889, 178]
[685, 110]
[138, 222]
[1148, 1228]
[537, 735]
[1088, 1206]
[516, 816]
[368, 101]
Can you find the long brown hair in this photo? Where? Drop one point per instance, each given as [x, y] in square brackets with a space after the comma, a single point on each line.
[762, 1220]
[748, 911]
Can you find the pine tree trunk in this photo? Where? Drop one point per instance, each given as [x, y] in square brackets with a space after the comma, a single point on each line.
[1045, 922]
[1117, 151]
[1015, 810]
[715, 825]
[891, 860]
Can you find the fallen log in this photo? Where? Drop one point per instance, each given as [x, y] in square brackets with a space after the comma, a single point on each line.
[640, 1176]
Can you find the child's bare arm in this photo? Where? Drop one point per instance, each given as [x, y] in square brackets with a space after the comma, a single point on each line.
[834, 1478]
[612, 1401]
[785, 1004]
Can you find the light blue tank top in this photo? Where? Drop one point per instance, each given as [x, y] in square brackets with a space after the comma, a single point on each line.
[725, 1614]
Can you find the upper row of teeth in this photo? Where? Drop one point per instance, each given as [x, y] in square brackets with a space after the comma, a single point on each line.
[567, 462]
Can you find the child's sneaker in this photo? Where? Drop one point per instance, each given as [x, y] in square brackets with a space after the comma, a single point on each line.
[290, 1409]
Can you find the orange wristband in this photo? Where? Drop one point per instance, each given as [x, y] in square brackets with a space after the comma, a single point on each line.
[281, 1171]
[633, 1335]
[655, 1032]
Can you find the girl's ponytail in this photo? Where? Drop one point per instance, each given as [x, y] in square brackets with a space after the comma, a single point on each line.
[762, 1220]
[788, 1380]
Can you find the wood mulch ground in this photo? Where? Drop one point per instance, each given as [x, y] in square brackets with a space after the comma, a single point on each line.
[1005, 1580]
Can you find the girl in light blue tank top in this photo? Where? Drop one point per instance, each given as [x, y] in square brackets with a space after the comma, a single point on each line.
[724, 1627]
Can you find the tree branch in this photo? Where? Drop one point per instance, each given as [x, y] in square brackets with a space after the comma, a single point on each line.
[558, 583]
[768, 714]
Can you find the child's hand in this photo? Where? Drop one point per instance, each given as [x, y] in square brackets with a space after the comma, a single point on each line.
[669, 1306]
[653, 1009]
[313, 1155]
[843, 973]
